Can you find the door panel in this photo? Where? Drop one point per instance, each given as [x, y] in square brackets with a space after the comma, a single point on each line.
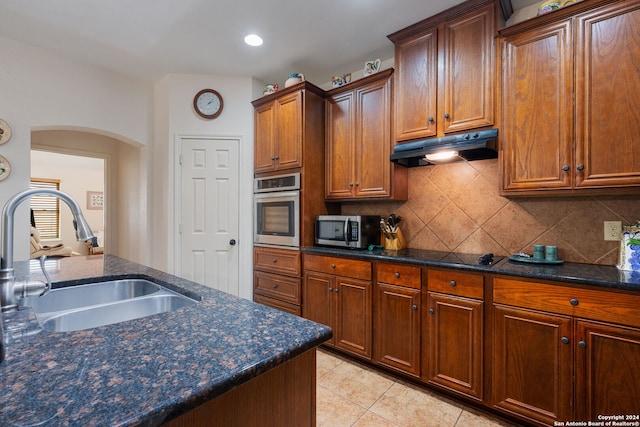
[209, 212]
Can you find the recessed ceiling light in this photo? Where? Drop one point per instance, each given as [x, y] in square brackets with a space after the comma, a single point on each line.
[253, 40]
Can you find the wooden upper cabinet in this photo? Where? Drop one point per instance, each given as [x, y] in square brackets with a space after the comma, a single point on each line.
[416, 86]
[278, 134]
[536, 134]
[467, 84]
[445, 72]
[358, 143]
[608, 103]
[570, 104]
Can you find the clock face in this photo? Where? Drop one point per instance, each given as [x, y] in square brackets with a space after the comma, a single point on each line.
[208, 103]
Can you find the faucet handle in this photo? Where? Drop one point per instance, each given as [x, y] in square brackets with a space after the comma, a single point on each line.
[47, 288]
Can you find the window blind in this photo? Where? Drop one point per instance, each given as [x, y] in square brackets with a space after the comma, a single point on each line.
[46, 209]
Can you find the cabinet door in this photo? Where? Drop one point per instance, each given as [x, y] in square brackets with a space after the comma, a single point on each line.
[607, 371]
[397, 330]
[537, 109]
[353, 307]
[317, 294]
[455, 344]
[532, 364]
[373, 140]
[289, 131]
[416, 78]
[608, 96]
[340, 154]
[468, 72]
[265, 138]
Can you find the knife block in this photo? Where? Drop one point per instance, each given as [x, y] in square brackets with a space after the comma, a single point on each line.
[396, 242]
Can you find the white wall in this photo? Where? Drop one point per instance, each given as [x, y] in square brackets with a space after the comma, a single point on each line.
[174, 117]
[41, 90]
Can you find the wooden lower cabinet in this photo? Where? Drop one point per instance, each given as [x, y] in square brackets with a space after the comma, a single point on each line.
[276, 278]
[397, 328]
[532, 364]
[343, 304]
[454, 348]
[607, 371]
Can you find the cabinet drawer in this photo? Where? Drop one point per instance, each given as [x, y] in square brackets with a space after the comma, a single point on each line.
[280, 261]
[456, 283]
[275, 286]
[280, 305]
[586, 303]
[339, 266]
[401, 275]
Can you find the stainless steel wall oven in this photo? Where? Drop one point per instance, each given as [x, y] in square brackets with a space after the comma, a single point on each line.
[276, 205]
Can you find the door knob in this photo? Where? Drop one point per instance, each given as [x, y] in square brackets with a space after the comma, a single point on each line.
[232, 242]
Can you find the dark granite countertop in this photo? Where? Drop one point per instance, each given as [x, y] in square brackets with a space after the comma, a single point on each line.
[568, 272]
[144, 371]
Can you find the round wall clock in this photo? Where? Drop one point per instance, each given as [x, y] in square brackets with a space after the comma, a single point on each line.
[208, 103]
[5, 168]
[5, 132]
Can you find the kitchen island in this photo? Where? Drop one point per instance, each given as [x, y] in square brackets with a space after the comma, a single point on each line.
[158, 369]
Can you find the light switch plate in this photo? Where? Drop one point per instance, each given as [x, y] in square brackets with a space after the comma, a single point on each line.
[612, 230]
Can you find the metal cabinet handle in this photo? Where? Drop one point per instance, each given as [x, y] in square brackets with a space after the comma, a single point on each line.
[333, 266]
[397, 275]
[431, 119]
[452, 283]
[580, 167]
[351, 184]
[357, 184]
[565, 168]
[582, 344]
[564, 340]
[330, 289]
[414, 307]
[573, 302]
[431, 311]
[446, 115]
[336, 290]
[274, 261]
[274, 286]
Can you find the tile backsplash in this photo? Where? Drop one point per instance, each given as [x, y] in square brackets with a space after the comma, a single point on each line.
[456, 207]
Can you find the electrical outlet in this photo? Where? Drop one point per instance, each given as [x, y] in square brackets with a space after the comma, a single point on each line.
[612, 230]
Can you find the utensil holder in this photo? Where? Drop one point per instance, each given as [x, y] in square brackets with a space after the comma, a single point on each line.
[396, 242]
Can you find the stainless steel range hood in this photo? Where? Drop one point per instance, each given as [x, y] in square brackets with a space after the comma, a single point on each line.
[467, 146]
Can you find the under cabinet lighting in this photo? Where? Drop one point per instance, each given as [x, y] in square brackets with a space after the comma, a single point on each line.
[440, 156]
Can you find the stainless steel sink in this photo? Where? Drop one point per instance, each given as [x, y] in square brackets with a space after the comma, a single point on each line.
[97, 304]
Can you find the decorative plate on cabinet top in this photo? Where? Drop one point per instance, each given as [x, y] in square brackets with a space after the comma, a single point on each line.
[5, 132]
[5, 168]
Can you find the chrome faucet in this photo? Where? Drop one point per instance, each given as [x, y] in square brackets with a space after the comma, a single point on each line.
[10, 291]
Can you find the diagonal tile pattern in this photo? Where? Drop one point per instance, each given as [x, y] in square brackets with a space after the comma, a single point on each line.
[350, 394]
[457, 207]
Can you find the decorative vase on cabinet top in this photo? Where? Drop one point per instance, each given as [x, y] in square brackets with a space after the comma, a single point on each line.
[293, 79]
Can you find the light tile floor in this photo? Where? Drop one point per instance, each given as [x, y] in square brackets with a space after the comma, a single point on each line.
[351, 394]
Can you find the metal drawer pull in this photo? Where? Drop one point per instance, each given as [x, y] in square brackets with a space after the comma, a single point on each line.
[274, 286]
[397, 275]
[573, 302]
[333, 266]
[452, 283]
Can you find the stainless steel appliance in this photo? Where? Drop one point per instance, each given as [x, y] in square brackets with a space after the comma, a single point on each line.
[348, 231]
[276, 206]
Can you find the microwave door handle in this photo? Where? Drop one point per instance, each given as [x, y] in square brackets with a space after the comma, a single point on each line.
[346, 230]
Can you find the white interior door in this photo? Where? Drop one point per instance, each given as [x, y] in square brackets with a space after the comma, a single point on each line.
[209, 212]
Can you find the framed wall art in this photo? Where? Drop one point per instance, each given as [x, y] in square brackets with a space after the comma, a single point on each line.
[95, 200]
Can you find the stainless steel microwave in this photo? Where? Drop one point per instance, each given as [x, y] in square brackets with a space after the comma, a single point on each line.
[347, 231]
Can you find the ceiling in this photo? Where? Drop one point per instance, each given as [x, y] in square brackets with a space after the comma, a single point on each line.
[148, 39]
